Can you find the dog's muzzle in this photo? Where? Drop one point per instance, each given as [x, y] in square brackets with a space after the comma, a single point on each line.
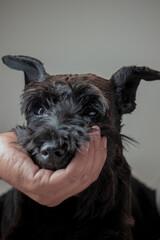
[57, 151]
[53, 157]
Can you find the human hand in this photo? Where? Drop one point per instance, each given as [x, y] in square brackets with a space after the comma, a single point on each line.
[48, 187]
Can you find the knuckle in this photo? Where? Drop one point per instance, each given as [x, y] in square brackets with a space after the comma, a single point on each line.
[73, 178]
[86, 179]
[101, 150]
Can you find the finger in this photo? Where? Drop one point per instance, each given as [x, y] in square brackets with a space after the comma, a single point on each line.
[100, 156]
[81, 166]
[94, 144]
[78, 164]
[72, 179]
[99, 163]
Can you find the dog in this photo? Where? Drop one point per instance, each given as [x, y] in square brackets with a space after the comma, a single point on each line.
[60, 111]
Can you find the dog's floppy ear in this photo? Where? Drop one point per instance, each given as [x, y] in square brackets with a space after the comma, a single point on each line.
[33, 68]
[125, 83]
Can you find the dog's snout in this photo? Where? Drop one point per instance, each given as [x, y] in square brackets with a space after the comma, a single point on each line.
[49, 152]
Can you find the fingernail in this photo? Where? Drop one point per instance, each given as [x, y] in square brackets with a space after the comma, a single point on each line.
[87, 146]
[105, 143]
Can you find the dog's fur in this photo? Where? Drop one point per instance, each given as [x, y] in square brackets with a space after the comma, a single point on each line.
[60, 111]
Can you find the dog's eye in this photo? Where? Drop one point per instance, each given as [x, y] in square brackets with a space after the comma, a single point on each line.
[90, 112]
[40, 111]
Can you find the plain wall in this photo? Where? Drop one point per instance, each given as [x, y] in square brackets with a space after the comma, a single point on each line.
[81, 36]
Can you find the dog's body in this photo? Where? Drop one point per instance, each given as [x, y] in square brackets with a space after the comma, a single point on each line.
[60, 111]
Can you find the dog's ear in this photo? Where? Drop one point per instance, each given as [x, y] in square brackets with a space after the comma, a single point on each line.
[33, 69]
[125, 83]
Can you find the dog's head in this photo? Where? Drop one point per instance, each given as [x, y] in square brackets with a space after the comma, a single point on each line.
[62, 109]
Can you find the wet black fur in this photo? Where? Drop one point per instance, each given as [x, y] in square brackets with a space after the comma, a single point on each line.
[115, 206]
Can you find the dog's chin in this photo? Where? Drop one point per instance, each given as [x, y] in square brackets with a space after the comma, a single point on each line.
[53, 164]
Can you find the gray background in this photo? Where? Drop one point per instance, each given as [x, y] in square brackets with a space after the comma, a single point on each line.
[81, 36]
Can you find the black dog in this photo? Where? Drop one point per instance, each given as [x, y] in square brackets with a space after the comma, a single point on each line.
[60, 111]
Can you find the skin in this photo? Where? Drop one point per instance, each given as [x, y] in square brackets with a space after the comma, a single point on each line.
[48, 187]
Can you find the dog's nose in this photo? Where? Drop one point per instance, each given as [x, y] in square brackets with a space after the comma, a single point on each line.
[49, 152]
